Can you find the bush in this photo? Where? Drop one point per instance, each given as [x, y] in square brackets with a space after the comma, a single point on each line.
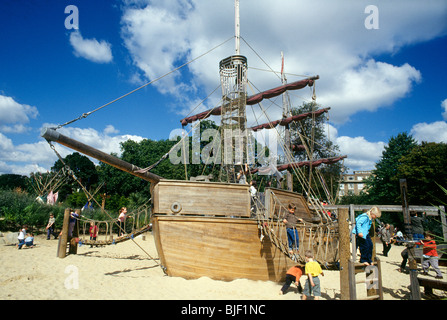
[19, 208]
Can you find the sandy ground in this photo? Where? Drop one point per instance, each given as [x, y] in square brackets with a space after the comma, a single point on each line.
[124, 271]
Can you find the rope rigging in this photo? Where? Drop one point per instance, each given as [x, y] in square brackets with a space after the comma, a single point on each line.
[112, 220]
[321, 239]
[275, 234]
[85, 115]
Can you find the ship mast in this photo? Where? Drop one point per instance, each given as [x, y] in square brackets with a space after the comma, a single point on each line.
[237, 26]
[285, 114]
[233, 77]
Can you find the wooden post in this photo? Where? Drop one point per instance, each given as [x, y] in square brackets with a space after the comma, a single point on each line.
[75, 235]
[414, 284]
[289, 181]
[345, 252]
[443, 222]
[63, 239]
[353, 240]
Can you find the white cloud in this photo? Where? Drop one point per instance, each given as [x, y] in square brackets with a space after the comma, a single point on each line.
[444, 106]
[369, 87]
[91, 49]
[432, 132]
[30, 157]
[317, 37]
[102, 141]
[14, 116]
[110, 129]
[363, 155]
[327, 38]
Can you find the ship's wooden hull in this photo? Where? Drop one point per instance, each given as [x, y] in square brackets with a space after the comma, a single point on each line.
[220, 248]
[204, 229]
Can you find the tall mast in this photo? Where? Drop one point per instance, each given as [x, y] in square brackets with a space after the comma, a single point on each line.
[233, 78]
[285, 114]
[237, 26]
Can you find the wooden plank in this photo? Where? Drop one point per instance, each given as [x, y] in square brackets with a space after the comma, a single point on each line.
[201, 198]
[285, 198]
[345, 252]
[432, 284]
[219, 248]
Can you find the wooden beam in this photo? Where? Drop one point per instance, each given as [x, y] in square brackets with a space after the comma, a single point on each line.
[63, 238]
[52, 135]
[345, 252]
[414, 284]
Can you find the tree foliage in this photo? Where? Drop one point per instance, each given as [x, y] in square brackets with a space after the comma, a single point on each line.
[425, 169]
[311, 133]
[383, 186]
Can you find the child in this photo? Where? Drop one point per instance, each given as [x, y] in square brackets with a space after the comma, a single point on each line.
[293, 275]
[313, 270]
[430, 255]
[93, 232]
[362, 225]
[29, 241]
[121, 219]
[290, 220]
[21, 237]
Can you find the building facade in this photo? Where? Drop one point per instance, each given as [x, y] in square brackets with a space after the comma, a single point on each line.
[353, 183]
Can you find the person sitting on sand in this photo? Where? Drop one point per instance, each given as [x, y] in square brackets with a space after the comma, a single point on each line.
[29, 241]
[21, 237]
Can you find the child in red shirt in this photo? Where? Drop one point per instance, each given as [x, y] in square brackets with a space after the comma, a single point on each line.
[430, 255]
[293, 275]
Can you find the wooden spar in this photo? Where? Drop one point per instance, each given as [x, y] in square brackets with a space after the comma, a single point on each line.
[345, 252]
[414, 284]
[52, 135]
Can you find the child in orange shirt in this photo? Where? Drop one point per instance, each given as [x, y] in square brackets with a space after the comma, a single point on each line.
[292, 275]
[430, 255]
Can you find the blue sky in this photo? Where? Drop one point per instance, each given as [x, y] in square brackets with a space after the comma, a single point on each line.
[378, 82]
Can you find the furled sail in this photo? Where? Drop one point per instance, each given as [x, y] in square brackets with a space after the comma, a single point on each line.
[314, 163]
[286, 121]
[254, 99]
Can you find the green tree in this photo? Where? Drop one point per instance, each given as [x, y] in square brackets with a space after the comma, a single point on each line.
[310, 132]
[424, 168]
[383, 185]
[84, 170]
[12, 181]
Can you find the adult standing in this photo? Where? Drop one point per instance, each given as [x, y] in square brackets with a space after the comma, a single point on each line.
[417, 226]
[385, 237]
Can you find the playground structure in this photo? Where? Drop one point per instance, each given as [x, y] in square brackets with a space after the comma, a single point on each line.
[347, 246]
[77, 233]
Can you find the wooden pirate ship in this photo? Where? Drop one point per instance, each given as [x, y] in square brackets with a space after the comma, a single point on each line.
[210, 228]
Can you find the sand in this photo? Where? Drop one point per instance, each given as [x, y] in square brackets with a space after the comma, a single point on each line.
[124, 271]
